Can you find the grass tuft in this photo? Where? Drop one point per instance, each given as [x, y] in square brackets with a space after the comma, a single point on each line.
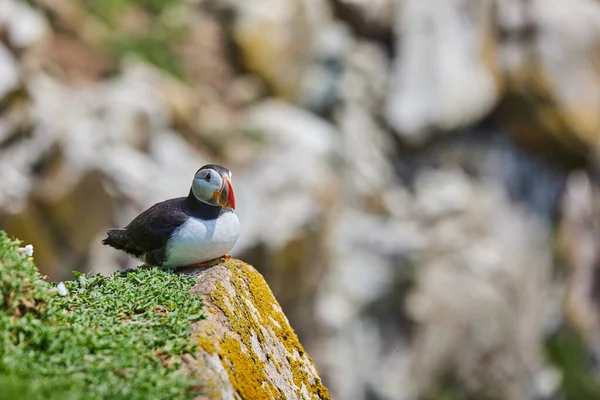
[119, 337]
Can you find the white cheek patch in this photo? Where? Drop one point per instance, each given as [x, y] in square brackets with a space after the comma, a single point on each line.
[204, 190]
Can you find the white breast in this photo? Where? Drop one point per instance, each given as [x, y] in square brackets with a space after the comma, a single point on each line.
[197, 240]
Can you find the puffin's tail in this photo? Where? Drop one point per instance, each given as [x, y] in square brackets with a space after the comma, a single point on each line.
[116, 238]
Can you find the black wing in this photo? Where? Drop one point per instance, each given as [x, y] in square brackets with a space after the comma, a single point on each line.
[149, 232]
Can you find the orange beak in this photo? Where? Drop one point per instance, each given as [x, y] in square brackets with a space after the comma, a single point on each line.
[227, 196]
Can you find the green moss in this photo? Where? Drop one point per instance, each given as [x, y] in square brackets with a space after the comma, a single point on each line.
[118, 337]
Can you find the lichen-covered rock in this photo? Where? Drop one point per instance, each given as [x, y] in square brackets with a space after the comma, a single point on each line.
[247, 349]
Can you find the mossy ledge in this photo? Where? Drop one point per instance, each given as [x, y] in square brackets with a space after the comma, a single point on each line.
[117, 337]
[247, 349]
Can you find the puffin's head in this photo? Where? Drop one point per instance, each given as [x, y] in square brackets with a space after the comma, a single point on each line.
[212, 185]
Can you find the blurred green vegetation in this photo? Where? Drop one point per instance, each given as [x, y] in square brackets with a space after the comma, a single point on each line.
[568, 352]
[110, 10]
[153, 48]
[446, 389]
[155, 43]
[118, 337]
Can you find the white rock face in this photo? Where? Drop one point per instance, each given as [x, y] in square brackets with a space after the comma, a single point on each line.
[278, 190]
[25, 26]
[570, 33]
[473, 249]
[443, 78]
[8, 71]
[505, 255]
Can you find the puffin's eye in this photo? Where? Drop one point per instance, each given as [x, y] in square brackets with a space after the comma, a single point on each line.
[207, 177]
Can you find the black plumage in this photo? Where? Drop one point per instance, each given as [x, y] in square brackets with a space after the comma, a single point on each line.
[147, 235]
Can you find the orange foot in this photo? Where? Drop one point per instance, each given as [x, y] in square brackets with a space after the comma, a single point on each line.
[205, 264]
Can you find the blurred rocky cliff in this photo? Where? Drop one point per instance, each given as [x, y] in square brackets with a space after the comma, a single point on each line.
[419, 180]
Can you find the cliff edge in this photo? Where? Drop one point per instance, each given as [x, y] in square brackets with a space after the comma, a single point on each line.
[247, 349]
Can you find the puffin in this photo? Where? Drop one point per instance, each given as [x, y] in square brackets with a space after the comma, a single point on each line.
[186, 231]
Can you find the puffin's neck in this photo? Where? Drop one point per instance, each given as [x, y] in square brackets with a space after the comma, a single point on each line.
[200, 209]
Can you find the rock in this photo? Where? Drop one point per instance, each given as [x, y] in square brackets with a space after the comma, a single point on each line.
[32, 224]
[320, 84]
[283, 188]
[445, 74]
[357, 275]
[8, 72]
[204, 53]
[501, 254]
[367, 147]
[578, 237]
[442, 193]
[247, 349]
[485, 232]
[365, 81]
[550, 62]
[79, 61]
[70, 210]
[23, 24]
[15, 185]
[276, 38]
[369, 18]
[367, 172]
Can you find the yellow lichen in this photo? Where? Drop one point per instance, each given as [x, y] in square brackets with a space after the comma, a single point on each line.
[205, 342]
[245, 369]
[245, 372]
